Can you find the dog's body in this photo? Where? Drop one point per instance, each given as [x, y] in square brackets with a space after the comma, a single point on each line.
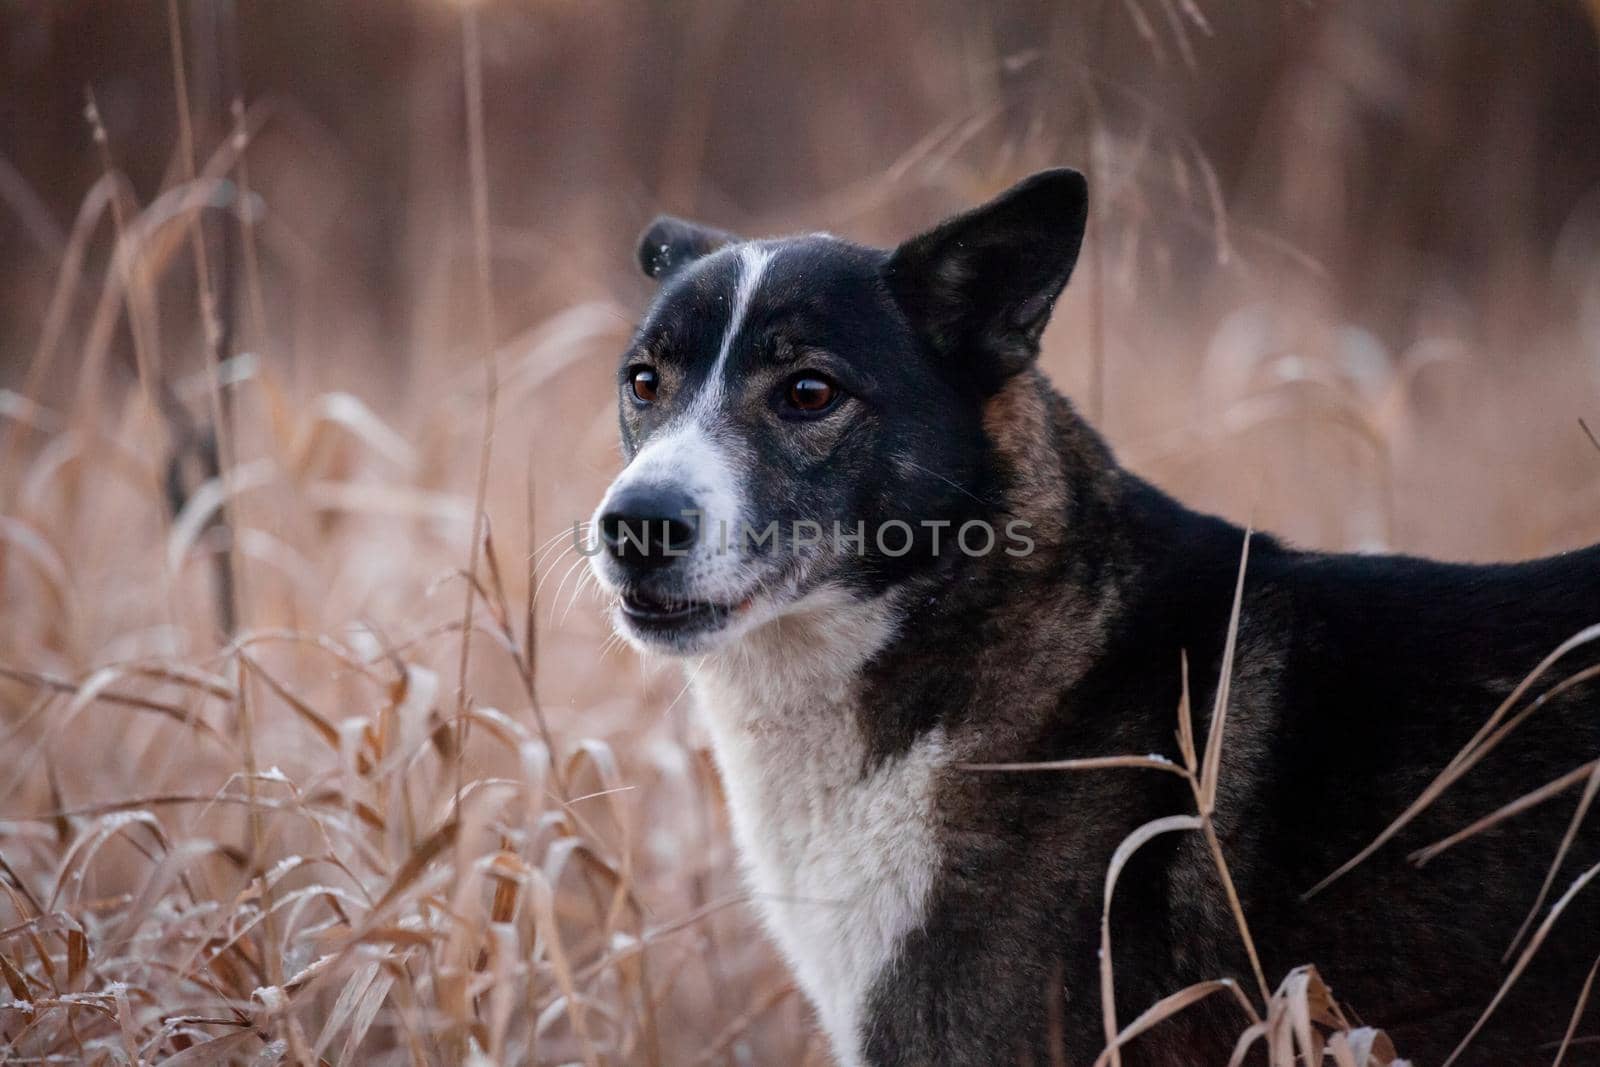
[938, 914]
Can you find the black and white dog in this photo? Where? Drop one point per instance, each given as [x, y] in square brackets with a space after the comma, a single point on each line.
[886, 549]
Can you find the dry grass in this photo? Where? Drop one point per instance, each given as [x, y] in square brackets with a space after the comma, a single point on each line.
[329, 753]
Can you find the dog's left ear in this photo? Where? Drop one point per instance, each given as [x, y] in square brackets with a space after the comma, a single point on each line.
[668, 244]
[979, 287]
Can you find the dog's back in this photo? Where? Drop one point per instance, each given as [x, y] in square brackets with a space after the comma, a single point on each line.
[1396, 666]
[1355, 681]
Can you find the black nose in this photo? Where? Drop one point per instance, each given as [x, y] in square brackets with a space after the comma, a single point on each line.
[649, 526]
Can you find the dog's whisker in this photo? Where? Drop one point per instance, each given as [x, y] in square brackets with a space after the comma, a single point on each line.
[549, 542]
[550, 553]
[550, 568]
[586, 581]
[553, 554]
[550, 619]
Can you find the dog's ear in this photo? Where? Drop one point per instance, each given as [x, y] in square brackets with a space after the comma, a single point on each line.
[668, 244]
[979, 287]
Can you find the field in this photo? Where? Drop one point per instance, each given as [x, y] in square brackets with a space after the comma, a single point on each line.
[314, 742]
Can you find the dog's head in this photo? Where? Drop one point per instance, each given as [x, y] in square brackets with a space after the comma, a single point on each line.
[802, 418]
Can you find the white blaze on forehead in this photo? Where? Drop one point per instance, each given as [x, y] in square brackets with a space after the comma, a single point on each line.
[753, 262]
[685, 457]
[685, 453]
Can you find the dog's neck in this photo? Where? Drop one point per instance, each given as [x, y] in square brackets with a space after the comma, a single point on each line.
[818, 647]
[1057, 471]
[839, 853]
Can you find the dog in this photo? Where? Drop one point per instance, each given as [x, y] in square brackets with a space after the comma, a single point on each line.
[888, 553]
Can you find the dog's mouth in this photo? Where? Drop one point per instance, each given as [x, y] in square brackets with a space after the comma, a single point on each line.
[653, 615]
[681, 623]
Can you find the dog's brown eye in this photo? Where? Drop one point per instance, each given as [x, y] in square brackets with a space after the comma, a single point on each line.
[810, 393]
[644, 382]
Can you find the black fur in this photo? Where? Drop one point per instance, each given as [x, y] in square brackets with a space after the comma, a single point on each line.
[824, 306]
[980, 287]
[1356, 678]
[670, 243]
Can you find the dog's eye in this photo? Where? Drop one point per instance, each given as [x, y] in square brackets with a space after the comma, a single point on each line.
[810, 393]
[643, 381]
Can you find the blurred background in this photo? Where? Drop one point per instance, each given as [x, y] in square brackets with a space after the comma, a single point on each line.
[1342, 280]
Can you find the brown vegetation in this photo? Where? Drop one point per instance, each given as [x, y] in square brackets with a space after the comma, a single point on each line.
[312, 743]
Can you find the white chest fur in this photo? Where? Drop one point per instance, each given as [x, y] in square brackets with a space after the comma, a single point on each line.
[840, 856]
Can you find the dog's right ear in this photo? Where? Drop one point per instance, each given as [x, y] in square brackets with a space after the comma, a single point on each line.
[980, 287]
[670, 243]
